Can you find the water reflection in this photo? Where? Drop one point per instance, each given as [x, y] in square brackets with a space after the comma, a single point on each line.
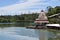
[16, 32]
[42, 34]
[54, 34]
[18, 24]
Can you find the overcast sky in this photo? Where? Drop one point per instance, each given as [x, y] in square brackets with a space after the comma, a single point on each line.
[16, 7]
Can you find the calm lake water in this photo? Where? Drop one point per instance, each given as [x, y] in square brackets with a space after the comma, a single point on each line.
[15, 32]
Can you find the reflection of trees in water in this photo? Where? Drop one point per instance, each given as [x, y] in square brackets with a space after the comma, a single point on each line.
[24, 23]
[17, 24]
[54, 34]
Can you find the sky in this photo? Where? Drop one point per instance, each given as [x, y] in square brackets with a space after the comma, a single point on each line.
[17, 7]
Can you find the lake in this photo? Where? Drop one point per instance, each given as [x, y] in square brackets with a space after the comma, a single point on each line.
[16, 32]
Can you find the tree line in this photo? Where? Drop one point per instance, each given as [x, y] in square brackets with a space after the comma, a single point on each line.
[52, 11]
[32, 16]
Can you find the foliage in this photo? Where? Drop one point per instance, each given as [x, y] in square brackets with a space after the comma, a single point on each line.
[18, 18]
[32, 16]
[52, 11]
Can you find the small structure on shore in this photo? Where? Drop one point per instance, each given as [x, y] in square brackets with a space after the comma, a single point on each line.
[42, 22]
[42, 18]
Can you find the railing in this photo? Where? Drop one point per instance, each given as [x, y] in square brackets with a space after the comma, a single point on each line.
[54, 15]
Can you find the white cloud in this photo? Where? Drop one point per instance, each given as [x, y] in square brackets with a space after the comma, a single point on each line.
[25, 6]
[18, 6]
